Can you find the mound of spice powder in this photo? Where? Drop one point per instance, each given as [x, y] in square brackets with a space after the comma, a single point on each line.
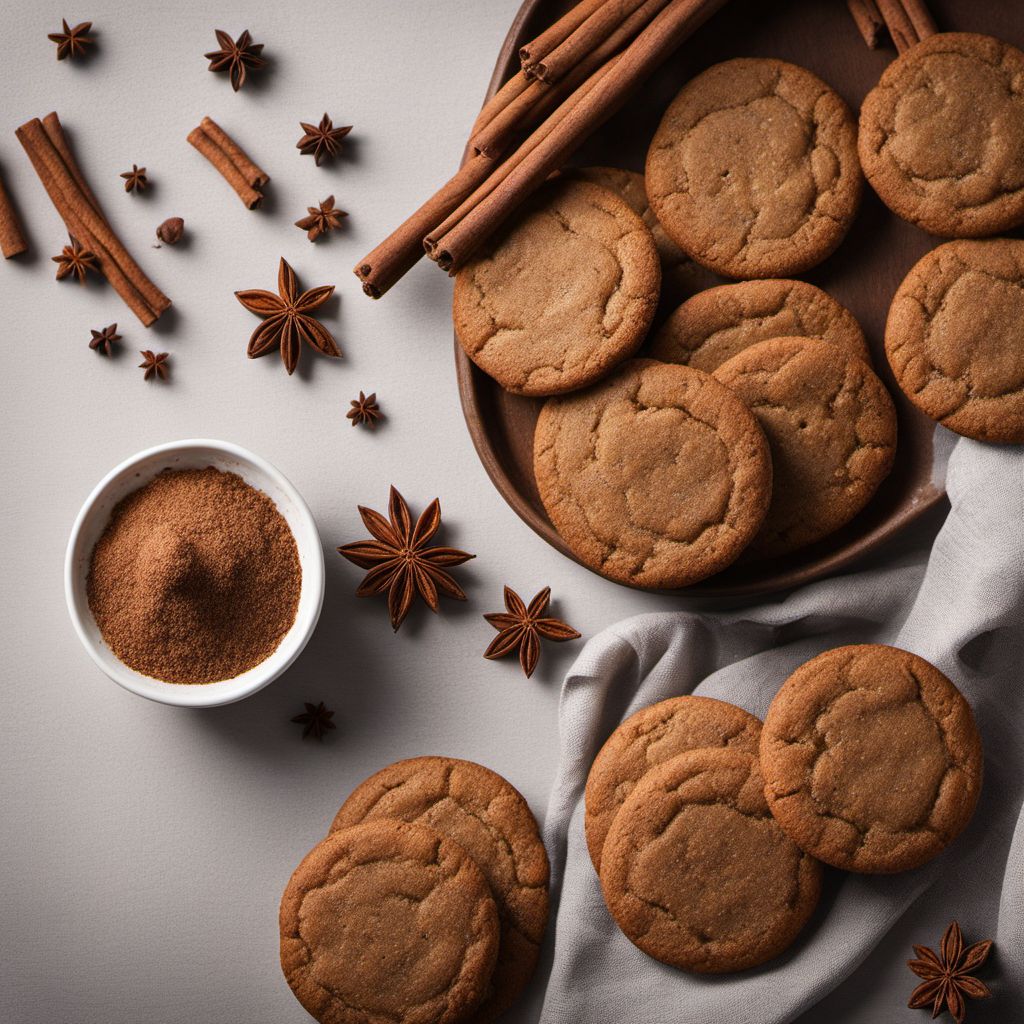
[196, 577]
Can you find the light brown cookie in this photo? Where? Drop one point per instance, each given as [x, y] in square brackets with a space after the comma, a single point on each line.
[698, 874]
[942, 135]
[490, 820]
[561, 296]
[753, 170]
[955, 338]
[388, 921]
[657, 477]
[871, 758]
[716, 324]
[831, 427]
[650, 737]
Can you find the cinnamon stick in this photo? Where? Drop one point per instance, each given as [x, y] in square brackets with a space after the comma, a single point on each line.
[55, 131]
[908, 22]
[537, 49]
[12, 238]
[868, 19]
[924, 24]
[234, 165]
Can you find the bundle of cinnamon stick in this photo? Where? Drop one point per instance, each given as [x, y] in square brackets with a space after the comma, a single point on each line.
[907, 21]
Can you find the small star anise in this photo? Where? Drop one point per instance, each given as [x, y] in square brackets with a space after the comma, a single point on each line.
[235, 56]
[135, 179]
[72, 41]
[288, 322]
[74, 260]
[321, 219]
[102, 340]
[401, 562]
[364, 410]
[316, 719]
[155, 364]
[523, 627]
[947, 974]
[322, 140]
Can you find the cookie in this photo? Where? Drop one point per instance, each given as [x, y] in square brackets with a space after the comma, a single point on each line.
[753, 170]
[942, 135]
[388, 921]
[492, 822]
[657, 477]
[650, 737]
[955, 338]
[696, 871]
[831, 427]
[557, 299]
[714, 325]
[871, 758]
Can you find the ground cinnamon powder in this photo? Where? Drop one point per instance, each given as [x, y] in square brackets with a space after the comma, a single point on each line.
[196, 577]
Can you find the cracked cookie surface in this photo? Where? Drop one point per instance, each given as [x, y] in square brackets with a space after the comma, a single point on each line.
[650, 737]
[753, 170]
[488, 817]
[557, 299]
[955, 338]
[871, 758]
[696, 871]
[657, 477]
[942, 135]
[388, 921]
[831, 428]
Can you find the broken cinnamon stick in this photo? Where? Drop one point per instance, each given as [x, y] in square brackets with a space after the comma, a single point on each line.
[12, 238]
[234, 165]
[868, 19]
[537, 49]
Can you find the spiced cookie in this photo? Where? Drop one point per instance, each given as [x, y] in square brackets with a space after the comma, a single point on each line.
[650, 737]
[492, 822]
[388, 921]
[942, 135]
[955, 338]
[871, 758]
[696, 871]
[555, 300]
[753, 170]
[657, 477]
[714, 325]
[831, 427]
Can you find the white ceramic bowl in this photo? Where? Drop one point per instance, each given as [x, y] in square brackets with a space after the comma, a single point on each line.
[139, 470]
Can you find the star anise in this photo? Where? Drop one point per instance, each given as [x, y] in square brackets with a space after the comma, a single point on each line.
[322, 140]
[74, 260]
[235, 56]
[401, 562]
[72, 41]
[522, 628]
[102, 340]
[288, 322]
[155, 364]
[947, 974]
[135, 179]
[364, 410]
[321, 219]
[316, 719]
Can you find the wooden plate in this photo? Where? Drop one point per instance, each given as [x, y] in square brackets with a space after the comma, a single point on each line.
[863, 274]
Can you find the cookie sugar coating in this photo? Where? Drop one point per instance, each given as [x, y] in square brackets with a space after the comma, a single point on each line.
[657, 477]
[560, 296]
[490, 820]
[696, 871]
[650, 737]
[388, 921]
[871, 758]
[831, 427]
[753, 170]
[955, 338]
[942, 135]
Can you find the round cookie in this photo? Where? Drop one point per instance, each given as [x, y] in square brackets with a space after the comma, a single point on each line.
[871, 758]
[714, 325]
[650, 737]
[696, 871]
[490, 820]
[657, 477]
[942, 135]
[753, 170]
[388, 921]
[955, 338]
[562, 295]
[831, 427]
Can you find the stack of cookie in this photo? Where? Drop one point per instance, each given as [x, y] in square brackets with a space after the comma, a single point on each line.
[426, 902]
[708, 831]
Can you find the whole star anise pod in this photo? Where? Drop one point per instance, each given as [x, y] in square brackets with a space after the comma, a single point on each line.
[155, 364]
[135, 179]
[288, 322]
[316, 719]
[321, 219]
[102, 340]
[364, 410]
[74, 260]
[947, 974]
[72, 41]
[322, 140]
[401, 562]
[521, 628]
[235, 56]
